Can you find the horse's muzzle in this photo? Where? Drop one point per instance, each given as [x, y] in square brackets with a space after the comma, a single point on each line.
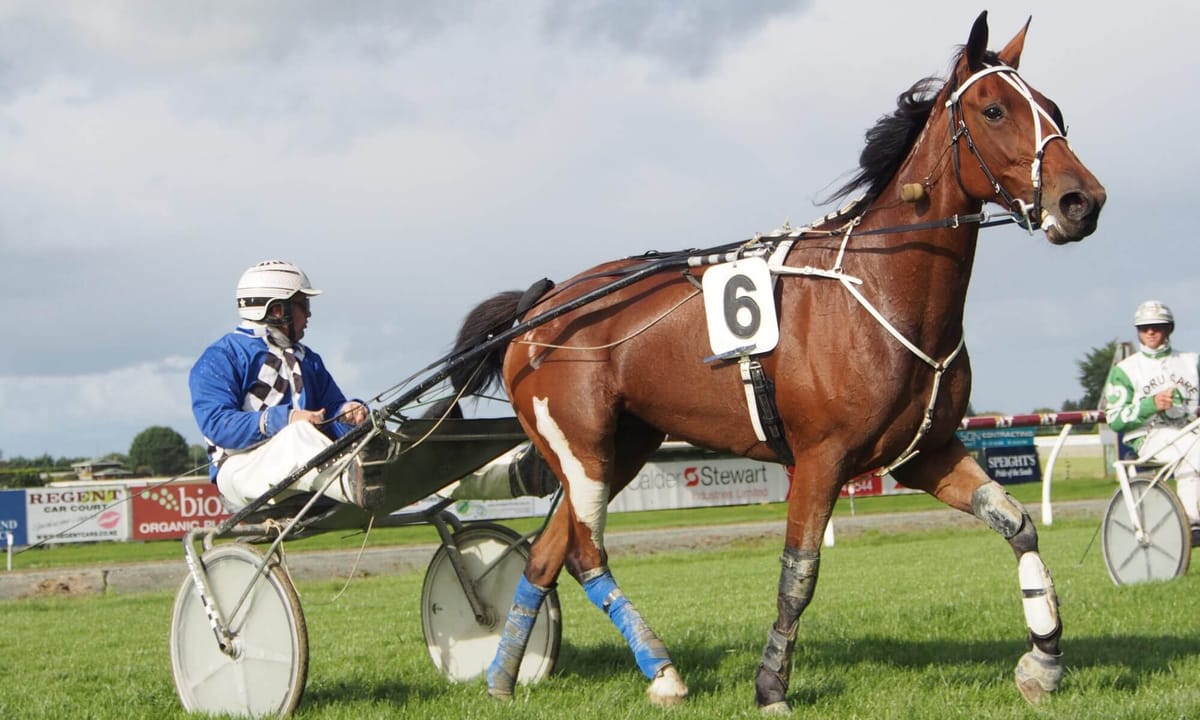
[1074, 216]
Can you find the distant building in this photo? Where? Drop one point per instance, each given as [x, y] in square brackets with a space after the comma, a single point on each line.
[99, 470]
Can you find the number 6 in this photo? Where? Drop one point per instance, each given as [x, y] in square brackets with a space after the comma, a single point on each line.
[735, 303]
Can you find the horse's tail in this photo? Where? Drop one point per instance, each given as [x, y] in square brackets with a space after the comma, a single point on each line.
[496, 314]
[492, 316]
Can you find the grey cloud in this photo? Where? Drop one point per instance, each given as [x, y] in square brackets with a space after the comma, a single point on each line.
[119, 44]
[687, 36]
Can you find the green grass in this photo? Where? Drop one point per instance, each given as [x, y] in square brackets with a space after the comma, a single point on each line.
[69, 555]
[922, 625]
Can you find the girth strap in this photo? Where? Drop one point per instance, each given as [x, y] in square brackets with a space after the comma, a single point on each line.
[764, 414]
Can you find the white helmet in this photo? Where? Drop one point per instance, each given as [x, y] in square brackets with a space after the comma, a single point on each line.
[1152, 312]
[267, 282]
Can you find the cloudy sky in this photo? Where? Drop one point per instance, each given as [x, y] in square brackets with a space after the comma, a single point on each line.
[416, 157]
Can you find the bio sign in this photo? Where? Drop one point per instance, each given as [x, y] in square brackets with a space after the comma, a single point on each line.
[169, 512]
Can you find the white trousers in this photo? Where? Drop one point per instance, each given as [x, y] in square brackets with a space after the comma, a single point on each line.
[245, 476]
[489, 482]
[1167, 445]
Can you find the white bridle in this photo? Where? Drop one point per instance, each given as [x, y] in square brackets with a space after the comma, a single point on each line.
[1031, 212]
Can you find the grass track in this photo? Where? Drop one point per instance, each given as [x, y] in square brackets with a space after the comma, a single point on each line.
[908, 626]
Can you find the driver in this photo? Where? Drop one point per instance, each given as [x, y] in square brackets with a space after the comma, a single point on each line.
[1153, 393]
[267, 405]
[265, 402]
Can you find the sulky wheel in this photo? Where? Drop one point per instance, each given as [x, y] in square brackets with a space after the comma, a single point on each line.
[1164, 550]
[266, 672]
[459, 645]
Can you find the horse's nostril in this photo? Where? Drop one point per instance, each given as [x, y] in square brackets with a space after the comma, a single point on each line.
[1076, 205]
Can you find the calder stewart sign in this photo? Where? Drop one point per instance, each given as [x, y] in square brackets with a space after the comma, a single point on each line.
[691, 481]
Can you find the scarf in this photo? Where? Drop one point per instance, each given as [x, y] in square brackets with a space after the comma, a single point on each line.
[280, 372]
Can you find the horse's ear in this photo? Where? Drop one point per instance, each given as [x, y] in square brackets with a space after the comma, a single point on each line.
[1011, 54]
[977, 43]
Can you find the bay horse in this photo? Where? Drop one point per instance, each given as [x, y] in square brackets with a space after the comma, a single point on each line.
[868, 369]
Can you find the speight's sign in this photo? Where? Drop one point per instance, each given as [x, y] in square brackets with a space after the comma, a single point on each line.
[1008, 455]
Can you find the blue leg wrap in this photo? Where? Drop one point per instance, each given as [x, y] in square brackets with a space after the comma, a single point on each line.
[502, 673]
[649, 652]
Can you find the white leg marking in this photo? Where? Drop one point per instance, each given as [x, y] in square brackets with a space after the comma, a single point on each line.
[1040, 603]
[589, 497]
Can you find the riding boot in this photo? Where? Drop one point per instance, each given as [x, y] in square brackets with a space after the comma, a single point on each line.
[528, 474]
[510, 476]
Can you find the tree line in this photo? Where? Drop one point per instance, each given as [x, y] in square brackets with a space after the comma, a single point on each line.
[155, 451]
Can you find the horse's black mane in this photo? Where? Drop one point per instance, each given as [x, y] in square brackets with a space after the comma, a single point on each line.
[892, 137]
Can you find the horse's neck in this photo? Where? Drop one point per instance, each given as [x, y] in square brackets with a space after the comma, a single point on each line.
[924, 274]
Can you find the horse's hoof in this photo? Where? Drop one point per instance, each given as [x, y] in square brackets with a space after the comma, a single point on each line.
[777, 708]
[667, 689]
[1038, 674]
[500, 695]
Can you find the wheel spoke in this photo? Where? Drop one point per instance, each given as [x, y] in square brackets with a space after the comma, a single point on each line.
[264, 654]
[1123, 525]
[1129, 558]
[203, 676]
[1164, 553]
[240, 686]
[1168, 514]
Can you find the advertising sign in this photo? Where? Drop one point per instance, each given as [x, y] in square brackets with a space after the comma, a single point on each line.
[863, 485]
[1009, 465]
[168, 512]
[12, 516]
[670, 484]
[500, 509]
[702, 482]
[86, 514]
[1008, 455]
[997, 437]
[870, 485]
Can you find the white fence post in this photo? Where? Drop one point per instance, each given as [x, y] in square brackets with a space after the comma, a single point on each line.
[1047, 512]
[8, 538]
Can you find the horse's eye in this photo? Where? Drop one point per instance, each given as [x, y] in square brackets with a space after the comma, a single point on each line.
[993, 112]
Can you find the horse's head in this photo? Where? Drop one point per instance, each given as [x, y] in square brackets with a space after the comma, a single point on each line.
[1009, 144]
